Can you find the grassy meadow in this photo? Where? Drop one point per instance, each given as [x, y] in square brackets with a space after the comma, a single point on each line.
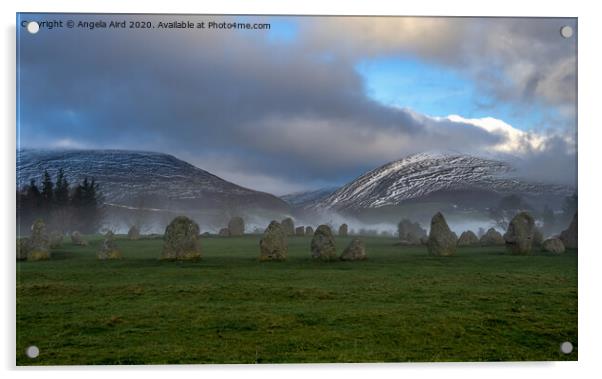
[398, 306]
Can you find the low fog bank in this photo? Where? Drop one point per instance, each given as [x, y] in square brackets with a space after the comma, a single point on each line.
[154, 222]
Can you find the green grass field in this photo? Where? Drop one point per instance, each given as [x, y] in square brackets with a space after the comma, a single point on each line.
[400, 305]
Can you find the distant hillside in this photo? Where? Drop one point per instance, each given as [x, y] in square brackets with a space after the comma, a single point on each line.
[145, 179]
[451, 178]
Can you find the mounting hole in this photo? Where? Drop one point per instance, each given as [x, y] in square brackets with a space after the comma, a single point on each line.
[33, 27]
[566, 31]
[566, 347]
[32, 352]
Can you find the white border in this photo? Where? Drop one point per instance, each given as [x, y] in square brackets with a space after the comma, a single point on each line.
[590, 142]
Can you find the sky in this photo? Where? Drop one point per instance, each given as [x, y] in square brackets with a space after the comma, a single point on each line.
[312, 102]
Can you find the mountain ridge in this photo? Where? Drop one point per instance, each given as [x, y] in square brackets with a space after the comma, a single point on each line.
[128, 177]
[421, 175]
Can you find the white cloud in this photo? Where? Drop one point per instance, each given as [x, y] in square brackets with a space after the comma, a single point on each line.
[514, 141]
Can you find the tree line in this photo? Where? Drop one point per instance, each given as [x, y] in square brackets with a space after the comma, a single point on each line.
[63, 207]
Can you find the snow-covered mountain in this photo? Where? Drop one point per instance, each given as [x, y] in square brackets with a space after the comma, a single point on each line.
[429, 175]
[305, 198]
[144, 180]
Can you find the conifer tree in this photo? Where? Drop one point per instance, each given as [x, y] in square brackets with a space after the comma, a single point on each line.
[61, 190]
[47, 190]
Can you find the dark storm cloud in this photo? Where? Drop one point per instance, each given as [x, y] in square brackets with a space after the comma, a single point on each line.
[231, 102]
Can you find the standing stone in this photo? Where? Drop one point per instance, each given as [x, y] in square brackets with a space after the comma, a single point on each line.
[108, 249]
[468, 238]
[492, 238]
[273, 245]
[355, 251]
[309, 231]
[519, 236]
[300, 231]
[182, 240]
[76, 239]
[442, 241]
[322, 245]
[39, 242]
[343, 230]
[236, 226]
[569, 236]
[224, 232]
[288, 226]
[56, 239]
[553, 245]
[134, 233]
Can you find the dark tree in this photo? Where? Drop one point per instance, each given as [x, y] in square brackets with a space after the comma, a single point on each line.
[86, 205]
[61, 190]
[33, 194]
[47, 190]
[29, 206]
[63, 208]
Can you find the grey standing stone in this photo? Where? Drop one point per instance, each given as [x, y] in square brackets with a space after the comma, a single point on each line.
[39, 242]
[553, 245]
[108, 249]
[355, 251]
[273, 244]
[288, 226]
[468, 238]
[519, 236]
[492, 238]
[181, 240]
[442, 241]
[323, 246]
[236, 226]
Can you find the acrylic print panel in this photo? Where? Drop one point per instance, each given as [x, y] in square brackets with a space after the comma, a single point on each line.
[295, 189]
